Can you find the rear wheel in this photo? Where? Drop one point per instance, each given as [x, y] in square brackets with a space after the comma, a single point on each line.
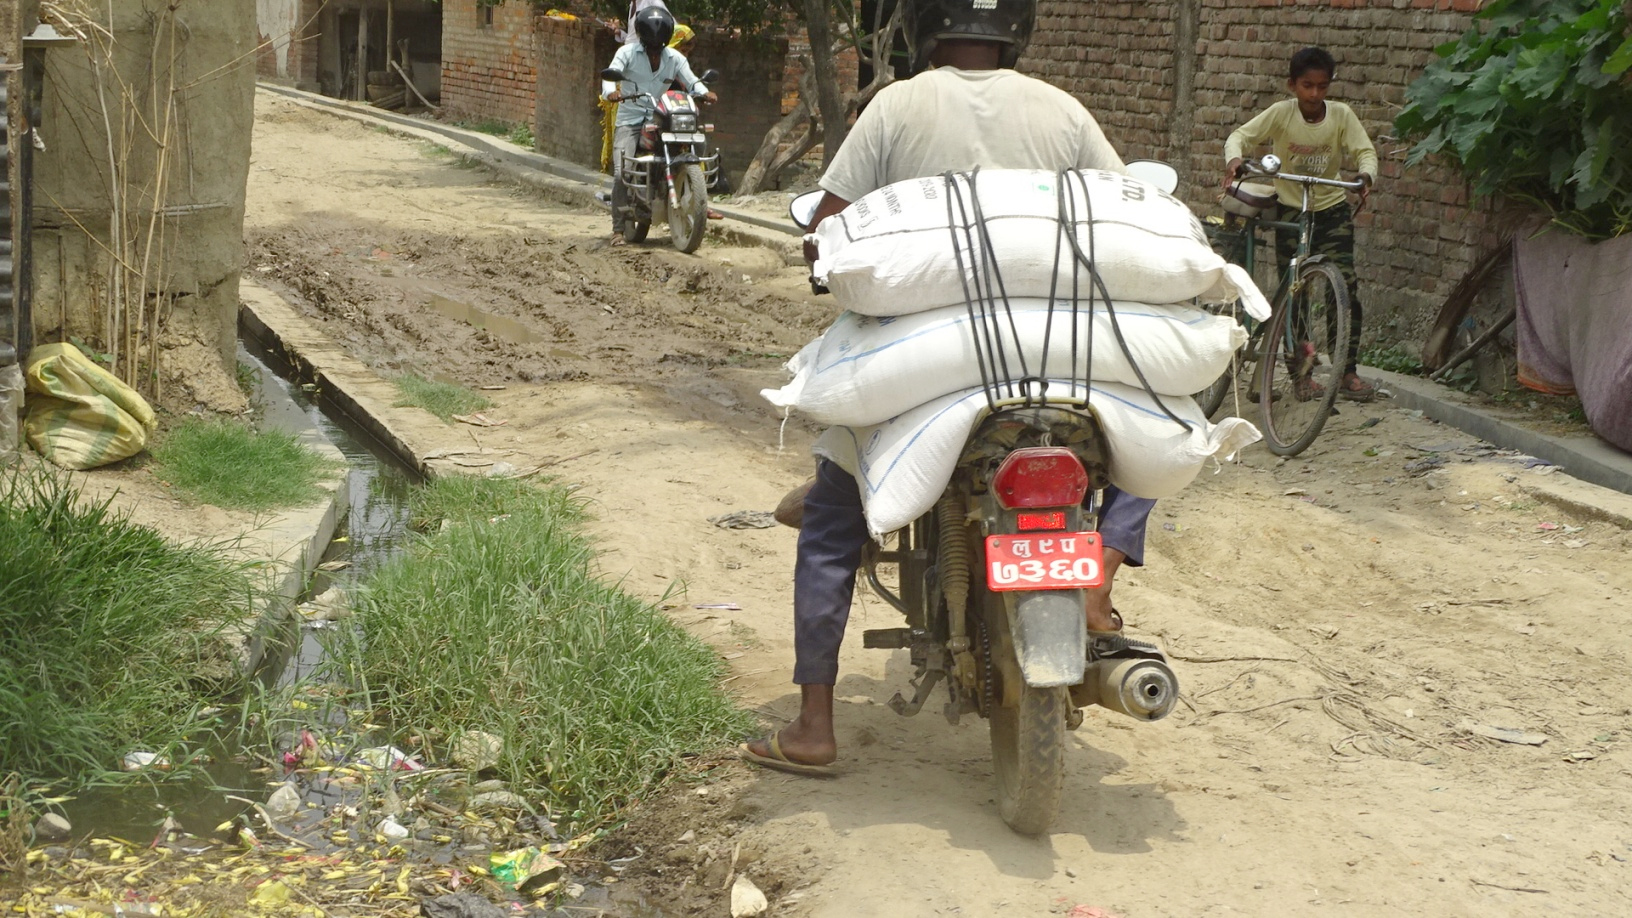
[689, 217]
[1307, 344]
[1028, 758]
[636, 230]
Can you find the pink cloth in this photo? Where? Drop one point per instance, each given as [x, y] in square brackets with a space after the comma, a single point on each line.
[1575, 325]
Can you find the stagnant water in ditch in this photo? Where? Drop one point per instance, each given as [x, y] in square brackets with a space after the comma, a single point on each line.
[374, 530]
[377, 489]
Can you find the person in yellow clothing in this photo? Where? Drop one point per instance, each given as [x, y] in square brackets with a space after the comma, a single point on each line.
[1312, 135]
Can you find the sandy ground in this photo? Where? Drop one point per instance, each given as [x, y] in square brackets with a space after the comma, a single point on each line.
[1345, 624]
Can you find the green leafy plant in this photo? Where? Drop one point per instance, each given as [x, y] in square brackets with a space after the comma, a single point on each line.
[1395, 359]
[1534, 104]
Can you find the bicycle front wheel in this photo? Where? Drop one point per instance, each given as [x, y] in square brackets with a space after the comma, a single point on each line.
[1307, 346]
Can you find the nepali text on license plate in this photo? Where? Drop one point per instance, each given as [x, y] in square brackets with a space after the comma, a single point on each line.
[684, 138]
[1044, 561]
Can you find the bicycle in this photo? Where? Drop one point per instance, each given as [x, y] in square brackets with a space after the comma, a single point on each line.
[1294, 359]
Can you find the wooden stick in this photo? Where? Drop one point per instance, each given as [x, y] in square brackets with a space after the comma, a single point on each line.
[1462, 356]
[412, 88]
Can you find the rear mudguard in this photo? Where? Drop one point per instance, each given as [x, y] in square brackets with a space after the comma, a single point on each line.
[1050, 635]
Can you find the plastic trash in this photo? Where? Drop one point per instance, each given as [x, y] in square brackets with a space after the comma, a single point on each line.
[136, 761]
[383, 757]
[526, 870]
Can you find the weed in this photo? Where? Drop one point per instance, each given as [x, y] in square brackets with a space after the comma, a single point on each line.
[439, 398]
[491, 126]
[105, 629]
[496, 623]
[521, 135]
[228, 464]
[1393, 358]
[246, 378]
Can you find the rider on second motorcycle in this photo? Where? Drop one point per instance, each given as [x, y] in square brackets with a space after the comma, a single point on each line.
[968, 109]
[651, 66]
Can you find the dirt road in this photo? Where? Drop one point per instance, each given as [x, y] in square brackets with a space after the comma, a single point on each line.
[1348, 625]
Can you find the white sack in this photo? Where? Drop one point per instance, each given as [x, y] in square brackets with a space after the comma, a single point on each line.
[867, 369]
[892, 252]
[904, 464]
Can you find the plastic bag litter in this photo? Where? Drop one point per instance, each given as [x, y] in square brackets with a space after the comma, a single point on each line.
[80, 416]
[526, 870]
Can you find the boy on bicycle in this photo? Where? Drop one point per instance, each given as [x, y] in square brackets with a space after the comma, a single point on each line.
[1312, 136]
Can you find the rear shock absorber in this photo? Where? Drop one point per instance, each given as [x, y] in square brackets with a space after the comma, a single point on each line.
[952, 564]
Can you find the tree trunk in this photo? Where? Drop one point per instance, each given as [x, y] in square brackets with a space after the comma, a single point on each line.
[767, 165]
[829, 96]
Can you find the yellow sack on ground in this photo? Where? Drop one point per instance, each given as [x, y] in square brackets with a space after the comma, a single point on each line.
[81, 416]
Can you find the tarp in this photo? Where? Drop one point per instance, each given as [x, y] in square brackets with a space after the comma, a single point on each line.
[1574, 325]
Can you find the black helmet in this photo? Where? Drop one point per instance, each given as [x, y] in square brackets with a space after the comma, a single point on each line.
[1006, 21]
[654, 27]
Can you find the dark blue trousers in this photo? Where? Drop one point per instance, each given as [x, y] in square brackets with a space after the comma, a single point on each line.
[830, 543]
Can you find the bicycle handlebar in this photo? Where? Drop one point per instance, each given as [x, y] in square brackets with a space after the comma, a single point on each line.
[1251, 168]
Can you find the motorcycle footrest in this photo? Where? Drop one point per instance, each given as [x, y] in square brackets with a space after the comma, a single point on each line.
[886, 638]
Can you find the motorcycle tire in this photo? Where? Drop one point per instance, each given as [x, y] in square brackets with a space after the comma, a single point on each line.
[635, 231]
[1028, 758]
[689, 219]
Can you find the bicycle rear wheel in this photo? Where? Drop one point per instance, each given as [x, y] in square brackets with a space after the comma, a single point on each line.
[1307, 348]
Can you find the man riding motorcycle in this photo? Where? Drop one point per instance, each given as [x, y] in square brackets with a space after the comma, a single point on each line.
[651, 66]
[968, 109]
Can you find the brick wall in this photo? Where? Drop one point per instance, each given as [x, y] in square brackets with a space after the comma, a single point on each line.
[488, 70]
[1171, 81]
[750, 89]
[566, 118]
[288, 46]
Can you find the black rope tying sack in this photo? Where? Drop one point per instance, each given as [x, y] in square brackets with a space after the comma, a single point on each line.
[990, 313]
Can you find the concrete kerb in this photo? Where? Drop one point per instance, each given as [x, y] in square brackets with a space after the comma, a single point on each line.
[560, 181]
[1605, 471]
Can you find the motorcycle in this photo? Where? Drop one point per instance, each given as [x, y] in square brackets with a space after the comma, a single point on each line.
[992, 583]
[669, 176]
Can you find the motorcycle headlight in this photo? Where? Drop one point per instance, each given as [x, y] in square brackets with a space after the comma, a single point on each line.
[684, 121]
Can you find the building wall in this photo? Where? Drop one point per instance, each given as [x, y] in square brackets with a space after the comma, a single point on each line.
[566, 119]
[288, 31]
[1171, 81]
[192, 278]
[489, 69]
[750, 89]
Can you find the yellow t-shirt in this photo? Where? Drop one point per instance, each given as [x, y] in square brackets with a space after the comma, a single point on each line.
[1307, 149]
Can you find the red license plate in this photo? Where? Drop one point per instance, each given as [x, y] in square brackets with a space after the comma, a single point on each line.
[1045, 561]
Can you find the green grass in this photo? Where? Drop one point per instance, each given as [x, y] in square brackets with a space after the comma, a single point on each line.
[227, 464]
[105, 629]
[439, 398]
[497, 623]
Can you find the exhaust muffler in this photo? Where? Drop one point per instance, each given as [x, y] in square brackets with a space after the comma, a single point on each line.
[1141, 688]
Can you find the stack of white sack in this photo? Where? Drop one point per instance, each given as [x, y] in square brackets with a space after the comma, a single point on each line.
[902, 370]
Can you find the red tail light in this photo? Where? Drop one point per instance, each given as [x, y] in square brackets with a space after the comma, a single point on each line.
[1041, 476]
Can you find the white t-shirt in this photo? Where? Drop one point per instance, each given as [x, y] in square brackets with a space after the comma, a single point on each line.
[948, 119]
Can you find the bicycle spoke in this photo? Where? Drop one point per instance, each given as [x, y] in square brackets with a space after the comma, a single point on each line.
[1309, 336]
